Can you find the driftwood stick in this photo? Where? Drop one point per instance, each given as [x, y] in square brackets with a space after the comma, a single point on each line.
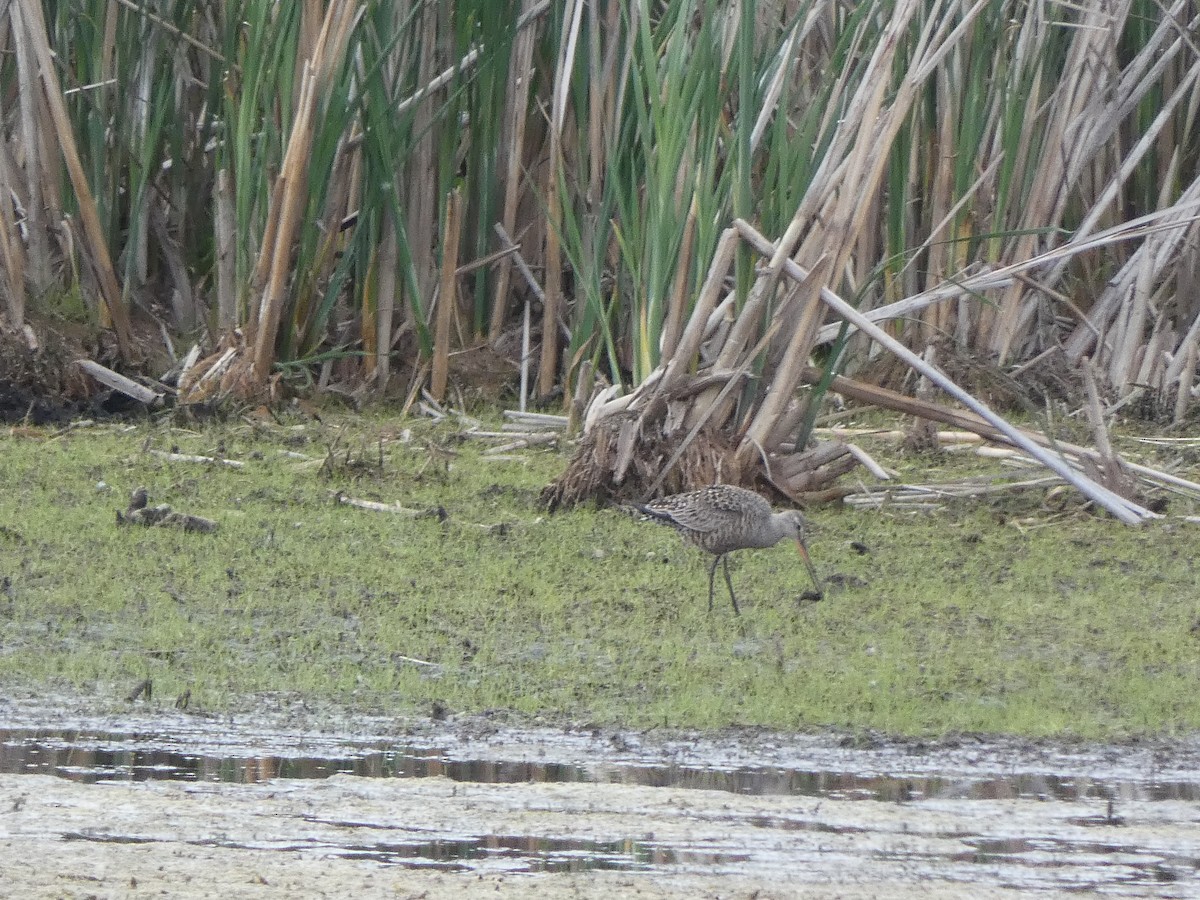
[1127, 511]
[520, 444]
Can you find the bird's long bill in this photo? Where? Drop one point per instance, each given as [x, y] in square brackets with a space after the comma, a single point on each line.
[812, 570]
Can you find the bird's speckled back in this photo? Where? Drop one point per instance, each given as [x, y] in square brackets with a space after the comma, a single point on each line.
[722, 518]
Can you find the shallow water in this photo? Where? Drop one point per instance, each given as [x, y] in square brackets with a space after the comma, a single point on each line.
[96, 756]
[1123, 820]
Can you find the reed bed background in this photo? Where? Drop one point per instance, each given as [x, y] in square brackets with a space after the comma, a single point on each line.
[320, 188]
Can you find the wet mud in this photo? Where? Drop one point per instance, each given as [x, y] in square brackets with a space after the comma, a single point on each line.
[267, 806]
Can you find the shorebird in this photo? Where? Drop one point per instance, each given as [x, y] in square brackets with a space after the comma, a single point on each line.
[722, 518]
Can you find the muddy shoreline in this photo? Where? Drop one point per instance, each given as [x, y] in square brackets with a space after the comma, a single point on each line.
[490, 805]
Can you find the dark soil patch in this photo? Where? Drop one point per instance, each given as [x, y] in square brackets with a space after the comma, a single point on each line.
[40, 386]
[43, 386]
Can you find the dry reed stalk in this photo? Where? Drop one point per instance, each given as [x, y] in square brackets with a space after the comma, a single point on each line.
[1095, 413]
[137, 248]
[34, 28]
[387, 261]
[1130, 326]
[548, 370]
[1186, 90]
[447, 296]
[873, 126]
[513, 253]
[939, 175]
[183, 303]
[119, 382]
[421, 200]
[731, 345]
[601, 86]
[783, 72]
[677, 302]
[1083, 114]
[515, 116]
[873, 395]
[1187, 375]
[677, 364]
[1172, 219]
[1153, 352]
[585, 389]
[1106, 310]
[440, 80]
[226, 252]
[161, 23]
[308, 37]
[290, 185]
[12, 248]
[703, 413]
[34, 145]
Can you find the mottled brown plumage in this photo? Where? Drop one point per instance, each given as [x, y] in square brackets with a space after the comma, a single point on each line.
[722, 518]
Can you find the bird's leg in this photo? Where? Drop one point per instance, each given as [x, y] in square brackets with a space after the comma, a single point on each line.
[712, 571]
[729, 582]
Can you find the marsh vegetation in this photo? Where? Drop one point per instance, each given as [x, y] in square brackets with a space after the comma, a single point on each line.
[1000, 615]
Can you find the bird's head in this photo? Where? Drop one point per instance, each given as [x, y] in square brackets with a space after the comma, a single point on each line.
[795, 524]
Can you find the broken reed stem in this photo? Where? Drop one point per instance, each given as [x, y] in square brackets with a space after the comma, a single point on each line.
[707, 409]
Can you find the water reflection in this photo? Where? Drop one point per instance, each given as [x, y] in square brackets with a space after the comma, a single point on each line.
[93, 756]
[517, 853]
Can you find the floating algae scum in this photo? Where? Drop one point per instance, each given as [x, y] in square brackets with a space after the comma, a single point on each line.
[312, 642]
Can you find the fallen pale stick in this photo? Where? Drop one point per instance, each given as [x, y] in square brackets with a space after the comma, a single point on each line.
[412, 660]
[376, 506]
[192, 458]
[546, 419]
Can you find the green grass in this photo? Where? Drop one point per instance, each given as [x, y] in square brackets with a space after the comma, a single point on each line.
[958, 621]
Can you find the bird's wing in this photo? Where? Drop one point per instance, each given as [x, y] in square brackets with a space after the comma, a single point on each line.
[705, 518]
